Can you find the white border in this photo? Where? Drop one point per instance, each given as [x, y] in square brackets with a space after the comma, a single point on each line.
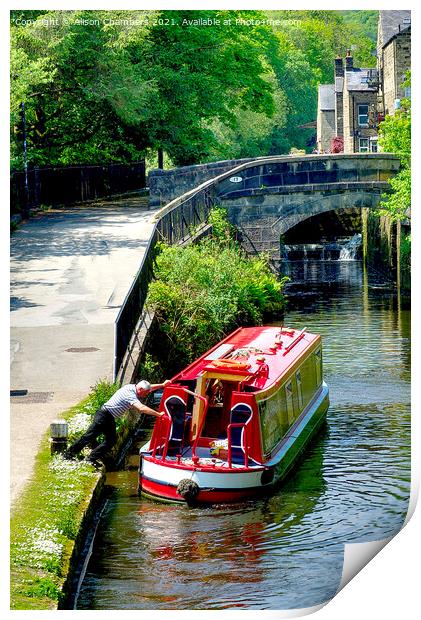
[388, 586]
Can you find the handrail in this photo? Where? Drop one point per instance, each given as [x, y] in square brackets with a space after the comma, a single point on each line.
[167, 438]
[246, 450]
[199, 430]
[159, 434]
[292, 344]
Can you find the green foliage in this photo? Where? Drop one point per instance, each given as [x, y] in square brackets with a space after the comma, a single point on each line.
[397, 204]
[204, 291]
[150, 369]
[406, 251]
[222, 229]
[308, 42]
[364, 22]
[102, 86]
[107, 92]
[101, 392]
[395, 137]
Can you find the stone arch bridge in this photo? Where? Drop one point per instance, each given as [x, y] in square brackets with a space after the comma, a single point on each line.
[266, 197]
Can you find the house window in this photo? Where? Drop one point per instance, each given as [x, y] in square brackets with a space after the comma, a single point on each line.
[363, 145]
[363, 115]
[368, 145]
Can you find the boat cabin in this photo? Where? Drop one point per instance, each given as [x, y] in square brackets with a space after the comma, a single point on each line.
[235, 405]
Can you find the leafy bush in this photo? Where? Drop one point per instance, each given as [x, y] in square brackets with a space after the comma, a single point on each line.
[202, 292]
[395, 137]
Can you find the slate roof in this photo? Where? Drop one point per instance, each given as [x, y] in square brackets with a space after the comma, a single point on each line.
[326, 96]
[359, 79]
[391, 23]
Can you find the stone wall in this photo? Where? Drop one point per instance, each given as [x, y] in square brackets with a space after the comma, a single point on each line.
[383, 245]
[165, 185]
[325, 130]
[262, 218]
[352, 131]
[395, 61]
[282, 170]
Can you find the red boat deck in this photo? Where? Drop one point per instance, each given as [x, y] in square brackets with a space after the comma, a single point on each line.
[269, 352]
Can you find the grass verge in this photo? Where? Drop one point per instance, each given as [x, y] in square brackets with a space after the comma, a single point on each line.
[52, 511]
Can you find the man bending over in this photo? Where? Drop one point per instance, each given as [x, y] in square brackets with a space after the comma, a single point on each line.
[127, 397]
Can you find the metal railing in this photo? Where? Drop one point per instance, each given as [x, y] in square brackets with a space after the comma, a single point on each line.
[245, 442]
[175, 225]
[52, 185]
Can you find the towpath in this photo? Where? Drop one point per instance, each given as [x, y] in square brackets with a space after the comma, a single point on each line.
[70, 272]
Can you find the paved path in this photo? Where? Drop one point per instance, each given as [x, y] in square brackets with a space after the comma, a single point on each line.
[70, 272]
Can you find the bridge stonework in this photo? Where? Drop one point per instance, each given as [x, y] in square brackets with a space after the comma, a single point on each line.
[263, 218]
[266, 197]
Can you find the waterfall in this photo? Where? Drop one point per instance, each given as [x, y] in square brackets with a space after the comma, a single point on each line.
[341, 249]
[350, 249]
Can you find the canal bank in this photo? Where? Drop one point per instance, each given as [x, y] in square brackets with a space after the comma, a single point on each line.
[54, 518]
[51, 556]
[352, 486]
[70, 272]
[387, 247]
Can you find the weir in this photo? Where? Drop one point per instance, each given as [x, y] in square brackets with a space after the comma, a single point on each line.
[340, 250]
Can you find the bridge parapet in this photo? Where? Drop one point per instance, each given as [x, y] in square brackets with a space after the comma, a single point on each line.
[282, 170]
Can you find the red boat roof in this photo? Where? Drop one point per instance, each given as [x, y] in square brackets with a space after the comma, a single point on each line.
[257, 355]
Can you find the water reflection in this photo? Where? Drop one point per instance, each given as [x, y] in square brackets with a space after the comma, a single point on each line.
[285, 551]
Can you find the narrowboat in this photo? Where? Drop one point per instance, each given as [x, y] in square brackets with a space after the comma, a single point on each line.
[236, 420]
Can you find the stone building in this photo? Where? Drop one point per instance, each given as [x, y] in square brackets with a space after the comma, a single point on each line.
[361, 96]
[359, 109]
[325, 117]
[393, 58]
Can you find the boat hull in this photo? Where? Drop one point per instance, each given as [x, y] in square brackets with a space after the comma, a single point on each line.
[159, 481]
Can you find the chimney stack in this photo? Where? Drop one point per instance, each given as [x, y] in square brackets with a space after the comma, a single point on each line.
[339, 66]
[349, 61]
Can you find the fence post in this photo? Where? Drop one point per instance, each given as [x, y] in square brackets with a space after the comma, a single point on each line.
[25, 210]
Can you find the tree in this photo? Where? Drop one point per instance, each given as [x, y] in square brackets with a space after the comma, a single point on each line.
[129, 81]
[308, 42]
[395, 137]
[103, 86]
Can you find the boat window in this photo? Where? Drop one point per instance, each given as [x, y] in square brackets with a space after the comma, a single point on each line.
[290, 403]
[273, 420]
[318, 361]
[299, 389]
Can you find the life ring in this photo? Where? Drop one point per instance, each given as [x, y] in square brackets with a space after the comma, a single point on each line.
[231, 364]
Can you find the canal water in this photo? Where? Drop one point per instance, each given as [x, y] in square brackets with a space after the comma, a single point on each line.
[353, 485]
